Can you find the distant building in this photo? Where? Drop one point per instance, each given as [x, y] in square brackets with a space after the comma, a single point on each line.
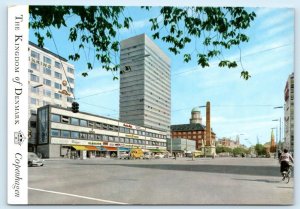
[51, 81]
[145, 87]
[196, 131]
[289, 113]
[227, 142]
[181, 146]
[272, 143]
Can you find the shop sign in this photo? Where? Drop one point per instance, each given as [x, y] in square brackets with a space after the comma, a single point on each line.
[127, 125]
[132, 136]
[33, 60]
[94, 143]
[105, 143]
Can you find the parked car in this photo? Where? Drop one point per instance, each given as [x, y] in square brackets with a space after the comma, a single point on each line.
[123, 155]
[159, 156]
[33, 159]
[147, 155]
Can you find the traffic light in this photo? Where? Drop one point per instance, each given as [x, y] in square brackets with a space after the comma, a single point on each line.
[75, 107]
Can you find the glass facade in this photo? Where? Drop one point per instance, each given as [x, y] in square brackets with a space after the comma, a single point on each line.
[43, 125]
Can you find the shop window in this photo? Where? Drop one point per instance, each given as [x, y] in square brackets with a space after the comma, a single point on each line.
[75, 121]
[65, 119]
[55, 118]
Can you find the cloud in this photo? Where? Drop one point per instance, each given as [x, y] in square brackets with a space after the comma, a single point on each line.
[276, 19]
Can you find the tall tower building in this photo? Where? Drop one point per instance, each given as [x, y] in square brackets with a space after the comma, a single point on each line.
[289, 113]
[196, 116]
[48, 74]
[145, 87]
[272, 144]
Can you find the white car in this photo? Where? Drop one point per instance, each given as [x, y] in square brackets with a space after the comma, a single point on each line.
[159, 156]
[33, 159]
[123, 155]
[147, 155]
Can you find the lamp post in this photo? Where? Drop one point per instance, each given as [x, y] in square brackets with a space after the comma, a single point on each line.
[279, 107]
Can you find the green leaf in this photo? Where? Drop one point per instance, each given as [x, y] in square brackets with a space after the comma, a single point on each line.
[84, 74]
[187, 57]
[245, 75]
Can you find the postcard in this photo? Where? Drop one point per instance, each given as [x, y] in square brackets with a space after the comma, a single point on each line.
[150, 105]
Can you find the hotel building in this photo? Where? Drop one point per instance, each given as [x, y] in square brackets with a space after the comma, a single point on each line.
[145, 84]
[62, 133]
[51, 80]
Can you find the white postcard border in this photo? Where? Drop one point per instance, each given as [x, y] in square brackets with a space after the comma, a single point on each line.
[17, 105]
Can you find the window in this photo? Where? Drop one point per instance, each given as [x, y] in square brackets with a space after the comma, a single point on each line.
[105, 138]
[127, 130]
[99, 137]
[35, 55]
[65, 134]
[34, 78]
[33, 66]
[47, 82]
[111, 138]
[65, 119]
[122, 140]
[57, 75]
[47, 70]
[70, 89]
[33, 124]
[126, 140]
[47, 93]
[33, 112]
[83, 123]
[57, 85]
[91, 124]
[55, 132]
[34, 101]
[98, 125]
[47, 60]
[34, 90]
[122, 129]
[75, 121]
[57, 96]
[74, 135]
[83, 136]
[55, 118]
[70, 70]
[45, 103]
[71, 80]
[57, 65]
[70, 99]
[116, 139]
[91, 136]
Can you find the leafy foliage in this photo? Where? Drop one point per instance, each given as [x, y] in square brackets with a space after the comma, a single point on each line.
[213, 29]
[260, 149]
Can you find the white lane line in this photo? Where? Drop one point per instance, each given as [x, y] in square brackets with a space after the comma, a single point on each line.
[74, 195]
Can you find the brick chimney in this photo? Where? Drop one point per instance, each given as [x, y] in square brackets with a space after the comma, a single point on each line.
[208, 129]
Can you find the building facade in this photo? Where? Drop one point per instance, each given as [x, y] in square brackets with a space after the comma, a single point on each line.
[145, 84]
[289, 113]
[51, 81]
[196, 131]
[62, 133]
[181, 146]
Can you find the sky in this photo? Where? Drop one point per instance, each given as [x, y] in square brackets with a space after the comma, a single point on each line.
[238, 107]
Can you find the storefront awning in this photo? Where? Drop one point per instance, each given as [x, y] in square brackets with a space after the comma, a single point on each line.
[87, 148]
[124, 149]
[110, 148]
[157, 150]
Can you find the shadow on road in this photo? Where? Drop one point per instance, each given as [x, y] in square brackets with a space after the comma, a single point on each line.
[225, 169]
[259, 180]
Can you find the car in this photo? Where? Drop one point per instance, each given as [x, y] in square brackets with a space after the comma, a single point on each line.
[34, 160]
[159, 156]
[147, 155]
[123, 155]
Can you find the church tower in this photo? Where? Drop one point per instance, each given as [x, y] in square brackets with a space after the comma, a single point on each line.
[272, 145]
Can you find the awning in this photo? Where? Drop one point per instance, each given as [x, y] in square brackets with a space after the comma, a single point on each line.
[110, 148]
[157, 150]
[87, 148]
[124, 149]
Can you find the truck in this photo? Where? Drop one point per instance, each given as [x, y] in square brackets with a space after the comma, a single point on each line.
[136, 153]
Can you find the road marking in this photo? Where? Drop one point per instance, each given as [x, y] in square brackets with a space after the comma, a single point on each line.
[74, 195]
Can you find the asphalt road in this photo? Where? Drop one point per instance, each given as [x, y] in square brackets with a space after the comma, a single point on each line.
[242, 181]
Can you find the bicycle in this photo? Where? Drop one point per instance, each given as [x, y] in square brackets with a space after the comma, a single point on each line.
[287, 174]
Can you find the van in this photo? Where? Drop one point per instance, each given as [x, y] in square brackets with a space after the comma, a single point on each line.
[136, 153]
